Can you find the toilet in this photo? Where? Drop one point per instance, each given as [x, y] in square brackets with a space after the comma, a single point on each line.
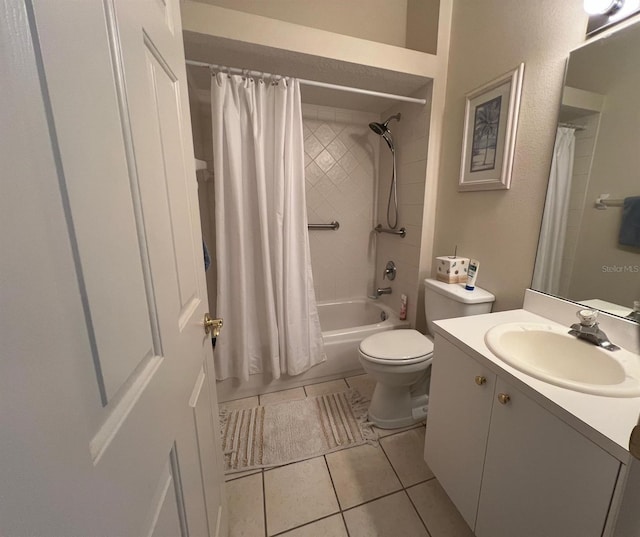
[400, 360]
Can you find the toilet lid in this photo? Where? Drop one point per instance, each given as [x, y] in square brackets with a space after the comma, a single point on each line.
[397, 346]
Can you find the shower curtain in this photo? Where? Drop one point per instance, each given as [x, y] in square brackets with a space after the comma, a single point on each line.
[265, 286]
[546, 276]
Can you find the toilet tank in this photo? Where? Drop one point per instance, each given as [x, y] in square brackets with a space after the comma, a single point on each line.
[448, 300]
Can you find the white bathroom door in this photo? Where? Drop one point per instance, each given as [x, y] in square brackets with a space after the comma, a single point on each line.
[109, 416]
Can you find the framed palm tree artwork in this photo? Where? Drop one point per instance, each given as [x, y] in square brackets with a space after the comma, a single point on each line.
[490, 125]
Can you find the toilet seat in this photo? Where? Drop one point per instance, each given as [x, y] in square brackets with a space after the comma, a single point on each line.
[397, 347]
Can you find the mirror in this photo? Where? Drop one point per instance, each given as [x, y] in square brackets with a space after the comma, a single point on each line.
[596, 165]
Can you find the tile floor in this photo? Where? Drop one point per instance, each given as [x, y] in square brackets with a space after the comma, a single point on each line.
[364, 491]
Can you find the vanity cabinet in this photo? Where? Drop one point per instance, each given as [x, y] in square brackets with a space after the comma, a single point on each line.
[509, 465]
[460, 400]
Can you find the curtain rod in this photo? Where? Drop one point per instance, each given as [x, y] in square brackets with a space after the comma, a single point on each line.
[571, 126]
[236, 71]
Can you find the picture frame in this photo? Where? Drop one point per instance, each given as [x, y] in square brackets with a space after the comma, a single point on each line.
[489, 136]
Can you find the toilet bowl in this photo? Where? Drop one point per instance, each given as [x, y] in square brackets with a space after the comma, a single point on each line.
[400, 360]
[400, 363]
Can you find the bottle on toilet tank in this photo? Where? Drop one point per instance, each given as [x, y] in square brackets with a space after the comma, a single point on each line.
[472, 274]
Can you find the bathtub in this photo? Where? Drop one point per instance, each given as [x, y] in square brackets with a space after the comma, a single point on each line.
[344, 325]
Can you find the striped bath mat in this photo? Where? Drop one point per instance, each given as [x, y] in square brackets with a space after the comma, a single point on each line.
[272, 435]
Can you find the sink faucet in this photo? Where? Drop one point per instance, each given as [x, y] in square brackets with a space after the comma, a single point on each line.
[383, 291]
[589, 330]
[635, 314]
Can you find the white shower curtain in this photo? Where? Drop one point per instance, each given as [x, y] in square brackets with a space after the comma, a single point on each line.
[546, 276]
[265, 287]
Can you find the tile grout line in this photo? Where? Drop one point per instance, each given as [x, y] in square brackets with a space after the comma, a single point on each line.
[420, 482]
[404, 430]
[343, 511]
[264, 505]
[404, 489]
[338, 512]
[344, 520]
[390, 463]
[303, 525]
[387, 494]
[424, 522]
[308, 459]
[253, 472]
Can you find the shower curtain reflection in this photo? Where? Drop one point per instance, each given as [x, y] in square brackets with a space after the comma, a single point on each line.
[265, 287]
[546, 276]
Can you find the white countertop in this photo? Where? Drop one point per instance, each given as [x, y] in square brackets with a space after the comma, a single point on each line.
[607, 421]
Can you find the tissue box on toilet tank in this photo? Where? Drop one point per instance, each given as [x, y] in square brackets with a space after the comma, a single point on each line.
[452, 269]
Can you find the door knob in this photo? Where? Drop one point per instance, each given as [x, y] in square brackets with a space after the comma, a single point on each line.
[480, 380]
[212, 326]
[504, 398]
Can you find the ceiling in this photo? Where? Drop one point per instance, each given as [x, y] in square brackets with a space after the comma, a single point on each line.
[232, 53]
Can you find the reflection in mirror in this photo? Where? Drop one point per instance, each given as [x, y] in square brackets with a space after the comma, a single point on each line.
[589, 248]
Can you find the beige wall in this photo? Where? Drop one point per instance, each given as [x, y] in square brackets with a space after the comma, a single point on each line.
[500, 228]
[341, 155]
[377, 20]
[422, 25]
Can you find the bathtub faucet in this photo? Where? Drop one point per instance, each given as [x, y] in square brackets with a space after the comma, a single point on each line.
[383, 291]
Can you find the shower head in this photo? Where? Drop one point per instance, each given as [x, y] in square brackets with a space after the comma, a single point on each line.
[378, 128]
[382, 129]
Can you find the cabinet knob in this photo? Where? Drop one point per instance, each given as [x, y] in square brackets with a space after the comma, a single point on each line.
[504, 398]
[480, 380]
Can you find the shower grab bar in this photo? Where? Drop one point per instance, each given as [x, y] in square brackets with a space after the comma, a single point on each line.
[335, 225]
[402, 231]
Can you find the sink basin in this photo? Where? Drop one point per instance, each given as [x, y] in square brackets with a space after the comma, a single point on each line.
[550, 354]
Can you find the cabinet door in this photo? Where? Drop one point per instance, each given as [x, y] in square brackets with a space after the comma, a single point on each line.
[460, 401]
[541, 477]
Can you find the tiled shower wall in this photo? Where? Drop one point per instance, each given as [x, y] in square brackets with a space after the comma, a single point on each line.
[410, 136]
[341, 156]
[341, 166]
